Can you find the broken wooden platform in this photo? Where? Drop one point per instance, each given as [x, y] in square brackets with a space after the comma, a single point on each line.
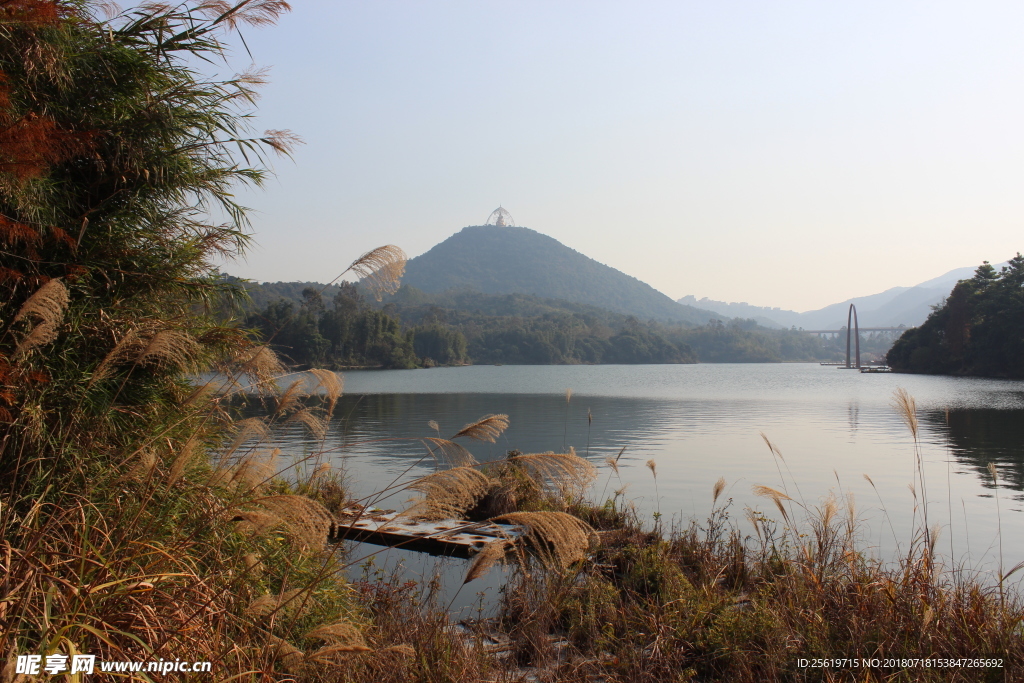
[452, 537]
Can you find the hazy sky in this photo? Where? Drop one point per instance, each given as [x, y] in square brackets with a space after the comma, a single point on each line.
[789, 154]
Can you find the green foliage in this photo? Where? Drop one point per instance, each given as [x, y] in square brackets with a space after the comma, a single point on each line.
[112, 198]
[460, 326]
[348, 333]
[978, 330]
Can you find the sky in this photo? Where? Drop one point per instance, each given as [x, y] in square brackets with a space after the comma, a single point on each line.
[789, 154]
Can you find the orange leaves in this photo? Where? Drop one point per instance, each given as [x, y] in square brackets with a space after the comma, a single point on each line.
[30, 12]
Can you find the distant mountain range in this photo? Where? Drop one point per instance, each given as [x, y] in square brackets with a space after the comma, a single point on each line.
[897, 306]
[495, 259]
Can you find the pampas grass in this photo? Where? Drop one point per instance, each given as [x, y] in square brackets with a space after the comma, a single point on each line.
[717, 490]
[46, 307]
[307, 521]
[169, 349]
[268, 604]
[341, 636]
[487, 429]
[283, 651]
[447, 452]
[186, 454]
[558, 539]
[449, 493]
[332, 383]
[381, 269]
[565, 473]
[487, 557]
[316, 426]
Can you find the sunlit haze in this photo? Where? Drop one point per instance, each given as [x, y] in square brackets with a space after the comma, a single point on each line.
[789, 154]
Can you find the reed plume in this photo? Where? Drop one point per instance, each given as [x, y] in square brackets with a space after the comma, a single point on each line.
[46, 307]
[565, 472]
[288, 400]
[381, 269]
[558, 539]
[717, 491]
[246, 429]
[451, 453]
[259, 364]
[47, 304]
[252, 563]
[316, 426]
[121, 351]
[283, 651]
[266, 603]
[487, 429]
[253, 471]
[906, 408]
[449, 493]
[613, 463]
[776, 497]
[332, 383]
[306, 521]
[169, 349]
[255, 523]
[160, 348]
[489, 555]
[186, 454]
[144, 465]
[341, 636]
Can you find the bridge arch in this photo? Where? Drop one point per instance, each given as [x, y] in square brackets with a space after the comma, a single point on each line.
[854, 329]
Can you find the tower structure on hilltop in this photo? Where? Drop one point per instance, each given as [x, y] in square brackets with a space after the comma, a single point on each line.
[500, 217]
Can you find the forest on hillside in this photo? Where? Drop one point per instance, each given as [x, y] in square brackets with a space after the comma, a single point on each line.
[415, 329]
[978, 330]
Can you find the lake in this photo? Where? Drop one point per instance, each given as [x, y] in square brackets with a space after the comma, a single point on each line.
[701, 422]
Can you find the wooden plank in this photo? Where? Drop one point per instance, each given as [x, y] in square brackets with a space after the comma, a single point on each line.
[453, 537]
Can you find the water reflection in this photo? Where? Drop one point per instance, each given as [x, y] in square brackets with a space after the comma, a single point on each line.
[981, 436]
[700, 423]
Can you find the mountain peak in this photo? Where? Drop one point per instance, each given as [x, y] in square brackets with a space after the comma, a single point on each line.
[508, 259]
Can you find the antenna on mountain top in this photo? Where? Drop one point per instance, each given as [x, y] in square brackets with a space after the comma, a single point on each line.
[500, 217]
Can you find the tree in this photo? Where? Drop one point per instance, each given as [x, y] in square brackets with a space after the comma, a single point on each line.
[113, 152]
[978, 330]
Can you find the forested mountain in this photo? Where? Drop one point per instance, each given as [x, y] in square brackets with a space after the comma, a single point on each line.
[979, 330]
[494, 259]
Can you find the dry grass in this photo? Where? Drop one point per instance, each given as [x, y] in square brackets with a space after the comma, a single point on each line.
[448, 453]
[46, 307]
[487, 557]
[307, 521]
[341, 636]
[566, 473]
[449, 494]
[316, 426]
[558, 539]
[381, 269]
[486, 429]
[332, 383]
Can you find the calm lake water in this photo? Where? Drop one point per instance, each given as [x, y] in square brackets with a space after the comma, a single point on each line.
[702, 422]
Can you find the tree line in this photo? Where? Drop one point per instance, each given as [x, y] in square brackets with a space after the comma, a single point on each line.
[415, 329]
[978, 330]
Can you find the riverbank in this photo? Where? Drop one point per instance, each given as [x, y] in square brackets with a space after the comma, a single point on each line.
[227, 562]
